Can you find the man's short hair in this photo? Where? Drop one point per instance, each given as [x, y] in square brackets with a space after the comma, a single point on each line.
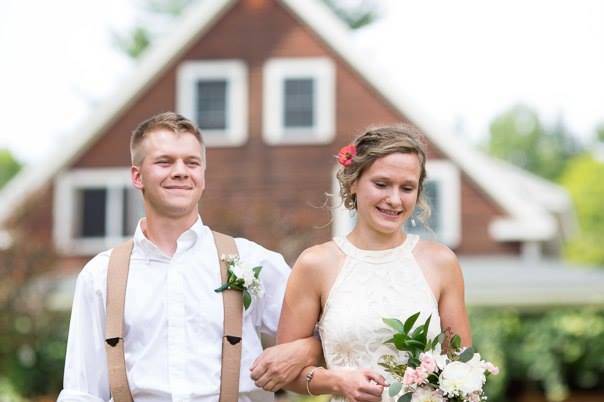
[171, 121]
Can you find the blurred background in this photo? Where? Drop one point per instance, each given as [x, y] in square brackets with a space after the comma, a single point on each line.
[509, 95]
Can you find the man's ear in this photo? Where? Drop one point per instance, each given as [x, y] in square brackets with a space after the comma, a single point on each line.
[136, 177]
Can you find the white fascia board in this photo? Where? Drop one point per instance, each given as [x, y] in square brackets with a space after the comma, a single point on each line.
[196, 21]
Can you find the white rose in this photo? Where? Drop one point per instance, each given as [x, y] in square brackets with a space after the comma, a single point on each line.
[439, 358]
[461, 379]
[426, 394]
[237, 270]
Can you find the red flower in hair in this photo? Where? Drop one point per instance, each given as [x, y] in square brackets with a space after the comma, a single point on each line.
[346, 154]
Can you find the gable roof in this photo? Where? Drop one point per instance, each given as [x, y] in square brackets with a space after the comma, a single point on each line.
[526, 220]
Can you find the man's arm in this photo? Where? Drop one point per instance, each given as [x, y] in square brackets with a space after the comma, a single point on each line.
[282, 364]
[86, 377]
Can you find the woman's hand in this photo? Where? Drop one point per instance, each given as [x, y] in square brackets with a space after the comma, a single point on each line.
[359, 385]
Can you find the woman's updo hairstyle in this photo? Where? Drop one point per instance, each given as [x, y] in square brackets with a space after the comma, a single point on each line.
[376, 143]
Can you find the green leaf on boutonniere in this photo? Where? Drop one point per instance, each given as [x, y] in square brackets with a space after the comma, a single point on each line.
[394, 389]
[222, 288]
[410, 321]
[406, 397]
[257, 271]
[393, 323]
[247, 299]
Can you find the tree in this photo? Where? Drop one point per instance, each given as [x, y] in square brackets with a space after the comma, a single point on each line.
[9, 166]
[583, 180]
[519, 136]
[160, 14]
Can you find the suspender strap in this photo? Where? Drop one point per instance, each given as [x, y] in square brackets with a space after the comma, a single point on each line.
[233, 323]
[117, 278]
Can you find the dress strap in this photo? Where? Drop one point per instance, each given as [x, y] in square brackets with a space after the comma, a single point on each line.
[410, 242]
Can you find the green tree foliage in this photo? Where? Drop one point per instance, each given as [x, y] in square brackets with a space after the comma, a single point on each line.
[583, 180]
[519, 136]
[9, 166]
[162, 13]
[356, 14]
[559, 350]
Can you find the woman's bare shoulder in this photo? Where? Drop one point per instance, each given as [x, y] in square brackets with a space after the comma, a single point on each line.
[435, 255]
[318, 257]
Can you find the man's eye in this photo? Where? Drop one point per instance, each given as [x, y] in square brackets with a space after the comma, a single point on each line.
[193, 163]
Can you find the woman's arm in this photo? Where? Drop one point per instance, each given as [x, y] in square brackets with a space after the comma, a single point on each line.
[300, 313]
[451, 305]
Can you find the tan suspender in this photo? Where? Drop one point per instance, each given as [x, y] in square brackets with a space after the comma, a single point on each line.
[232, 301]
[117, 278]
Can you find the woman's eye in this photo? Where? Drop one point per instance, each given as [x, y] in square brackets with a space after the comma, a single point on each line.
[379, 184]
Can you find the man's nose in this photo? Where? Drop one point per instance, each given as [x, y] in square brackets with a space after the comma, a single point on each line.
[179, 169]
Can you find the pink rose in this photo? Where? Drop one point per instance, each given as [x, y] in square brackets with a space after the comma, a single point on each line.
[409, 378]
[421, 375]
[427, 363]
[491, 368]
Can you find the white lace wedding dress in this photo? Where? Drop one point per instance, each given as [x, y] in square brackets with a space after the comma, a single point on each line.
[370, 286]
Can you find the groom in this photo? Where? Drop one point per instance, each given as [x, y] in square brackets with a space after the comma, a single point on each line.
[173, 319]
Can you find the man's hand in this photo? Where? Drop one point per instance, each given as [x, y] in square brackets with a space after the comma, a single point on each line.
[279, 365]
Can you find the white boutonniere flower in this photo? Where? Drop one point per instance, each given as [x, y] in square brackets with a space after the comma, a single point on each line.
[244, 277]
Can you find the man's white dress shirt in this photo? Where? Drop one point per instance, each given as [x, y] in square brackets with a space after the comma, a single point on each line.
[173, 322]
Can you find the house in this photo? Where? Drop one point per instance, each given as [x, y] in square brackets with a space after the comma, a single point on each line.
[277, 88]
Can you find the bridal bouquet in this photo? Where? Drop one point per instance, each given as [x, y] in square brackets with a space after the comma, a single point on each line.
[433, 370]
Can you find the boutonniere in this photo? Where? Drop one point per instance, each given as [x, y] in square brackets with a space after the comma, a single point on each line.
[243, 277]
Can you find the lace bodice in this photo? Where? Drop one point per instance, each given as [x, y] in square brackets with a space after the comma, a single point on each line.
[373, 284]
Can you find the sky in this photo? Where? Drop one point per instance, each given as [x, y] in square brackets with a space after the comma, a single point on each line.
[462, 62]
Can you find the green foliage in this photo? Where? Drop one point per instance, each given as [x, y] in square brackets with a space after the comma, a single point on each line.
[363, 13]
[559, 350]
[142, 35]
[9, 166]
[134, 43]
[600, 132]
[518, 136]
[583, 180]
[33, 351]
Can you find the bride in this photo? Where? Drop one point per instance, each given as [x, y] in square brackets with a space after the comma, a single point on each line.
[346, 286]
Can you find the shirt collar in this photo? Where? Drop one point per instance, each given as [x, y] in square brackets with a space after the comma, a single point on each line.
[185, 241]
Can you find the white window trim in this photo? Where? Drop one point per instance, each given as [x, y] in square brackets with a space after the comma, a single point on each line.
[447, 174]
[235, 73]
[66, 185]
[442, 171]
[276, 71]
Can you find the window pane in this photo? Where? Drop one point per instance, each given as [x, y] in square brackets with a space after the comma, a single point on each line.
[298, 103]
[211, 104]
[430, 229]
[133, 210]
[93, 210]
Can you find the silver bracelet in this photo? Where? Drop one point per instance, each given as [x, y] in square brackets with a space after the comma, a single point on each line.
[309, 376]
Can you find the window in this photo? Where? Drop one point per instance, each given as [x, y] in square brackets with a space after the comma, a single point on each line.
[95, 209]
[299, 101]
[443, 193]
[213, 93]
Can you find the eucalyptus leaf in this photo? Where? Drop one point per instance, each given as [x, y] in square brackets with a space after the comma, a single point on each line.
[394, 389]
[466, 355]
[394, 323]
[406, 397]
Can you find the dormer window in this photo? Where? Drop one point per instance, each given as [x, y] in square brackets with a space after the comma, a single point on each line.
[299, 101]
[213, 93]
